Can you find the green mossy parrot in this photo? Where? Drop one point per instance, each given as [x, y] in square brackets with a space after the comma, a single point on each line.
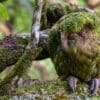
[74, 47]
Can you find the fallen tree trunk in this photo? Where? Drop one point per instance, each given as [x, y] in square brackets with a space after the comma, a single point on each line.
[11, 49]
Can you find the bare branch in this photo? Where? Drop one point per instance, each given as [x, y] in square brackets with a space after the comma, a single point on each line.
[36, 20]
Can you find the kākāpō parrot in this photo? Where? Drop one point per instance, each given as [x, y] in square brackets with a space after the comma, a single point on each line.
[74, 48]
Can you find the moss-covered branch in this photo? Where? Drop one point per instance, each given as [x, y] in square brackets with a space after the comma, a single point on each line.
[54, 11]
[23, 62]
[18, 70]
[11, 49]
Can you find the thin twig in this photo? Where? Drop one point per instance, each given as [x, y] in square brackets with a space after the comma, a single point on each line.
[36, 20]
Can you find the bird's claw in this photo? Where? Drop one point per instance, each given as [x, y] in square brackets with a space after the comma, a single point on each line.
[72, 82]
[94, 86]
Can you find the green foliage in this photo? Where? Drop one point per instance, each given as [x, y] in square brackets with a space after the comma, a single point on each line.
[1, 35]
[22, 20]
[20, 12]
[3, 13]
[81, 2]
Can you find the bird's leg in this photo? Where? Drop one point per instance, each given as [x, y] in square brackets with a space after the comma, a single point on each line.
[94, 85]
[72, 82]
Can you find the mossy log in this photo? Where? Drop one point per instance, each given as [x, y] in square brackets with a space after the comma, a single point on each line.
[11, 49]
[24, 59]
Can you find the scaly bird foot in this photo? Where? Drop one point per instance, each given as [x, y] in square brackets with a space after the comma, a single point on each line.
[94, 85]
[72, 82]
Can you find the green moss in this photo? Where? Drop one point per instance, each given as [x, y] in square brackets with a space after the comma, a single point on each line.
[11, 49]
[3, 55]
[2, 49]
[98, 24]
[47, 86]
[53, 12]
[4, 98]
[74, 22]
[18, 70]
[9, 56]
[53, 41]
[54, 90]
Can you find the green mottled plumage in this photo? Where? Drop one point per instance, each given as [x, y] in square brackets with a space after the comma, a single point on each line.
[74, 46]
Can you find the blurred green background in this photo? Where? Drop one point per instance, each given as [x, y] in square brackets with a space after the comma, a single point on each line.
[19, 14]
